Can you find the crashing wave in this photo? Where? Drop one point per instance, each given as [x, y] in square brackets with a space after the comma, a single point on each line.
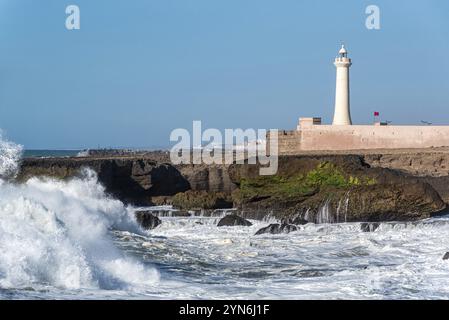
[10, 154]
[57, 233]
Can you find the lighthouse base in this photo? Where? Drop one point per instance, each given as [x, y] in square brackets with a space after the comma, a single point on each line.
[311, 136]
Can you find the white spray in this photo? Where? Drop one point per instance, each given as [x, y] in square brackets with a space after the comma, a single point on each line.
[56, 233]
[10, 154]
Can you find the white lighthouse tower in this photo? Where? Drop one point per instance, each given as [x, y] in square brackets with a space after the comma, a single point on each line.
[342, 114]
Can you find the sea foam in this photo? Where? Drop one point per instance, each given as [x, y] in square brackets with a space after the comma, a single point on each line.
[10, 154]
[57, 233]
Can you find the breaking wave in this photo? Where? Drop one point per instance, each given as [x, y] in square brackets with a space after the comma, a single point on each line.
[10, 154]
[58, 233]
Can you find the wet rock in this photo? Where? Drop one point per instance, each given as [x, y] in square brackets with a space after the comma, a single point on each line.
[210, 178]
[342, 185]
[277, 228]
[168, 213]
[147, 220]
[191, 200]
[233, 220]
[133, 180]
[446, 256]
[161, 200]
[299, 221]
[180, 213]
[369, 227]
[351, 189]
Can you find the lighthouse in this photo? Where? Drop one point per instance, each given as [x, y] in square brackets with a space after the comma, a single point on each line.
[342, 114]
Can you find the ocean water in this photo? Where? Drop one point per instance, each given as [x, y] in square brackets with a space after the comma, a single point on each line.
[50, 153]
[69, 240]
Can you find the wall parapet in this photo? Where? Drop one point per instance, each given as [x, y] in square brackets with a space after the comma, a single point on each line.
[361, 137]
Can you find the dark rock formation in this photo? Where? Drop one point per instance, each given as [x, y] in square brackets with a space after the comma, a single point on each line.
[161, 200]
[139, 180]
[446, 256]
[333, 189]
[330, 188]
[180, 213]
[209, 178]
[420, 164]
[233, 220]
[131, 180]
[298, 221]
[431, 166]
[147, 220]
[191, 200]
[369, 227]
[277, 228]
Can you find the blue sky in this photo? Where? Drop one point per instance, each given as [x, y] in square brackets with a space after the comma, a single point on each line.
[138, 69]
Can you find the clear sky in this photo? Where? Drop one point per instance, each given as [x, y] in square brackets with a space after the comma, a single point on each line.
[138, 69]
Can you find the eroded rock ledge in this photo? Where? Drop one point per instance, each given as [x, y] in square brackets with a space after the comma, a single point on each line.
[318, 188]
[333, 189]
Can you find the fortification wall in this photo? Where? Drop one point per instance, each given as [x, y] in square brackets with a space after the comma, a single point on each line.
[362, 137]
[289, 141]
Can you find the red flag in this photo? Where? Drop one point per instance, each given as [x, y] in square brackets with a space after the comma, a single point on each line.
[376, 114]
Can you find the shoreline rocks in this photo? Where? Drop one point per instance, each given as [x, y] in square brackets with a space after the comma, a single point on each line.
[191, 200]
[331, 190]
[147, 220]
[298, 221]
[233, 220]
[308, 188]
[369, 227]
[277, 228]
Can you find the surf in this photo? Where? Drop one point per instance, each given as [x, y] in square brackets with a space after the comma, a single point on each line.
[56, 233]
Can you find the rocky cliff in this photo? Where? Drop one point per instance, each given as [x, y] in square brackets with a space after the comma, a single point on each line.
[321, 188]
[137, 180]
[132, 180]
[431, 167]
[333, 189]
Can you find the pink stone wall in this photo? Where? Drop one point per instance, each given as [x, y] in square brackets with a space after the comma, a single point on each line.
[358, 137]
